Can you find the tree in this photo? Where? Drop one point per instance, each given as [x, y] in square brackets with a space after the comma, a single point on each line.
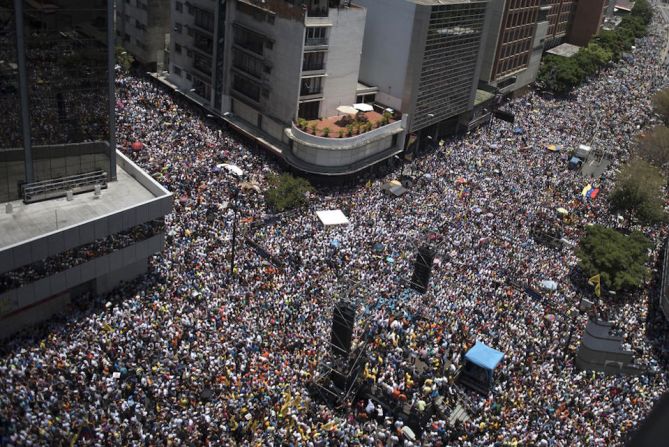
[661, 104]
[621, 260]
[654, 148]
[643, 10]
[639, 190]
[123, 58]
[287, 192]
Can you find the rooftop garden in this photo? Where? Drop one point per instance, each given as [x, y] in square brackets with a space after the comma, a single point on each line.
[343, 126]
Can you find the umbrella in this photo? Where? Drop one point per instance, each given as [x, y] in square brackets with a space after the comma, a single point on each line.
[363, 107]
[335, 243]
[409, 433]
[550, 317]
[427, 176]
[390, 259]
[378, 247]
[216, 169]
[518, 130]
[562, 211]
[553, 147]
[137, 146]
[347, 110]
[461, 180]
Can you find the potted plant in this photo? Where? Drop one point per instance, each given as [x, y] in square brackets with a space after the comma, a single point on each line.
[314, 127]
[341, 133]
[349, 130]
[302, 123]
[326, 131]
[368, 126]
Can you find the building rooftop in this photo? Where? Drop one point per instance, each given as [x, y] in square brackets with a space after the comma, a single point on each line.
[564, 50]
[34, 220]
[482, 96]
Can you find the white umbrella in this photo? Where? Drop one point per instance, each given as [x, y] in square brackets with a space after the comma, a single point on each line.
[347, 110]
[363, 107]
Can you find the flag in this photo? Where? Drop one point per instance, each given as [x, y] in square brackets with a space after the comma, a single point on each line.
[597, 282]
[586, 189]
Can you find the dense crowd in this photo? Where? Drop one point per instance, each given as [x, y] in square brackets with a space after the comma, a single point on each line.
[193, 354]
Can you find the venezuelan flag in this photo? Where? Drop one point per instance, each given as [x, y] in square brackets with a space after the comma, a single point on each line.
[586, 190]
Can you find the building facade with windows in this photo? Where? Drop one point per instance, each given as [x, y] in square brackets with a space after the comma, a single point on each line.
[588, 21]
[514, 44]
[142, 28]
[424, 57]
[77, 216]
[560, 17]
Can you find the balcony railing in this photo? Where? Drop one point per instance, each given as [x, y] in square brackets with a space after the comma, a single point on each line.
[313, 66]
[310, 92]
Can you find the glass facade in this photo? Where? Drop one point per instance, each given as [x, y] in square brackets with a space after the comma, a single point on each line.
[449, 62]
[12, 166]
[66, 48]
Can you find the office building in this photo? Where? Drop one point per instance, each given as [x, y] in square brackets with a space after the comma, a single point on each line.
[143, 28]
[77, 216]
[265, 65]
[588, 21]
[560, 17]
[424, 58]
[514, 44]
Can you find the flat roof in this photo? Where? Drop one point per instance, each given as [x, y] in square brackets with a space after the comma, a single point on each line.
[564, 50]
[28, 221]
[443, 2]
[482, 96]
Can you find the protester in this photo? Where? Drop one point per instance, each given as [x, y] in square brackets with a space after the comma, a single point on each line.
[193, 354]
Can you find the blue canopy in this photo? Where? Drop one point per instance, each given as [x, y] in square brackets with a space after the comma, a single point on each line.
[575, 160]
[484, 356]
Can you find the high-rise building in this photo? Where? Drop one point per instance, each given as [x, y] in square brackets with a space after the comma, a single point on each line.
[588, 21]
[560, 17]
[424, 57]
[514, 44]
[57, 140]
[142, 28]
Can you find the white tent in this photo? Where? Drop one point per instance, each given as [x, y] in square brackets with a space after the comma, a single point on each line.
[232, 168]
[347, 110]
[332, 217]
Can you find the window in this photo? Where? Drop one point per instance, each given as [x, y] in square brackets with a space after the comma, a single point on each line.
[249, 40]
[177, 71]
[202, 63]
[247, 63]
[311, 86]
[313, 61]
[309, 110]
[178, 27]
[179, 7]
[316, 36]
[203, 42]
[188, 76]
[204, 19]
[177, 48]
[246, 87]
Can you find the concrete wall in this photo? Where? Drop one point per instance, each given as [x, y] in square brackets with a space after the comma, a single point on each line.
[120, 265]
[337, 152]
[386, 49]
[343, 58]
[51, 244]
[495, 15]
[588, 20]
[529, 75]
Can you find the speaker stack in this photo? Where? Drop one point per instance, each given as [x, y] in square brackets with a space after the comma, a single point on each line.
[343, 319]
[422, 269]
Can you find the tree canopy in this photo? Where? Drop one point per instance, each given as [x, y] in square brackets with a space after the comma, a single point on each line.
[661, 104]
[123, 58]
[620, 259]
[654, 148]
[561, 74]
[638, 190]
[286, 192]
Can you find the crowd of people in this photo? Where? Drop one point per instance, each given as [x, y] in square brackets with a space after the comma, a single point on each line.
[196, 354]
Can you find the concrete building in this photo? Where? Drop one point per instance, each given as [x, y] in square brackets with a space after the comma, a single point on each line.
[143, 28]
[514, 44]
[560, 17]
[588, 21]
[424, 58]
[275, 62]
[57, 140]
